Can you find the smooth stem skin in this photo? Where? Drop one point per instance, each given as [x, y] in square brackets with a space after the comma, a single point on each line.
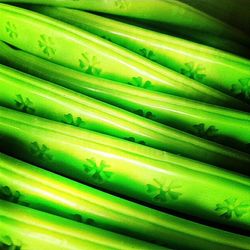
[33, 95]
[207, 39]
[231, 126]
[129, 147]
[70, 46]
[43, 190]
[52, 193]
[166, 12]
[217, 42]
[31, 227]
[150, 180]
[210, 66]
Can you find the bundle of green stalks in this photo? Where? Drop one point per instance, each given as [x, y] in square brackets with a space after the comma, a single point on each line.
[123, 125]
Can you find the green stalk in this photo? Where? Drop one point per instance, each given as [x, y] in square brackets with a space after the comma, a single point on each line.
[220, 70]
[55, 146]
[225, 10]
[165, 12]
[26, 228]
[133, 148]
[225, 126]
[51, 39]
[33, 95]
[201, 37]
[28, 185]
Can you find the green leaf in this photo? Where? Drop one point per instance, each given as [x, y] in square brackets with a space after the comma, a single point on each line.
[96, 171]
[47, 45]
[138, 82]
[152, 188]
[162, 192]
[40, 151]
[201, 130]
[193, 71]
[69, 119]
[24, 104]
[242, 88]
[88, 64]
[11, 30]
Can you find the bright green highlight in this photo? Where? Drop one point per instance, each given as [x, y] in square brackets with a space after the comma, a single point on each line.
[229, 127]
[78, 155]
[215, 68]
[50, 39]
[27, 228]
[29, 94]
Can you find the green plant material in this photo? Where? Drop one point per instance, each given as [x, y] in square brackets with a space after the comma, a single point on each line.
[175, 14]
[229, 127]
[137, 149]
[212, 40]
[26, 228]
[51, 39]
[125, 167]
[88, 113]
[215, 68]
[58, 195]
[225, 10]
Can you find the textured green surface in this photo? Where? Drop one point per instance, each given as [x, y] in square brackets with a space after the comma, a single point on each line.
[169, 12]
[29, 229]
[169, 15]
[70, 46]
[166, 184]
[32, 95]
[229, 127]
[153, 147]
[27, 185]
[220, 70]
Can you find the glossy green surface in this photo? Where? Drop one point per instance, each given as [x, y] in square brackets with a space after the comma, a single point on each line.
[215, 68]
[72, 47]
[27, 228]
[169, 13]
[56, 147]
[33, 95]
[136, 149]
[55, 194]
[84, 141]
[229, 127]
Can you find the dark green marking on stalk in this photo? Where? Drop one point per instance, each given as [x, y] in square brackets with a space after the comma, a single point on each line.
[106, 38]
[121, 4]
[147, 53]
[145, 114]
[47, 45]
[24, 104]
[80, 219]
[89, 64]
[40, 151]
[242, 88]
[231, 207]
[6, 243]
[162, 192]
[201, 130]
[132, 139]
[138, 82]
[193, 71]
[11, 30]
[69, 119]
[97, 171]
[13, 196]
